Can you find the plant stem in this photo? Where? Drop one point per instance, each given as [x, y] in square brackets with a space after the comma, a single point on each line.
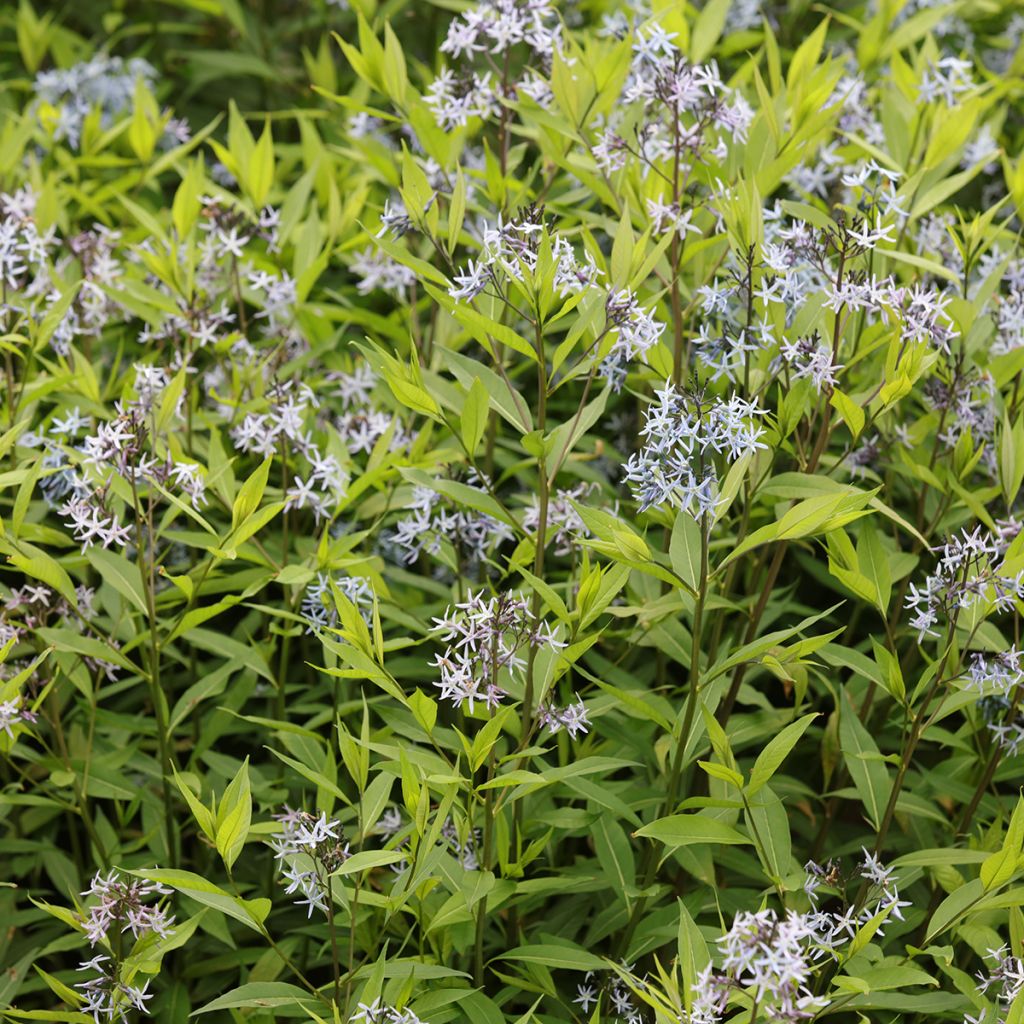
[542, 523]
[725, 710]
[335, 960]
[678, 759]
[481, 916]
[147, 574]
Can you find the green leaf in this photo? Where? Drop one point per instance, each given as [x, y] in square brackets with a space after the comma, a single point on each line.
[65, 639]
[169, 400]
[1011, 457]
[720, 771]
[852, 413]
[264, 994]
[461, 494]
[35, 562]
[920, 263]
[145, 126]
[564, 437]
[622, 250]
[240, 143]
[864, 763]
[1002, 865]
[250, 494]
[867, 931]
[776, 751]
[122, 575]
[456, 209]
[811, 516]
[685, 548]
[396, 80]
[410, 395]
[364, 860]
[708, 29]
[879, 979]
[317, 778]
[615, 855]
[242, 654]
[203, 815]
[424, 708]
[692, 953]
[259, 174]
[484, 740]
[692, 829]
[890, 674]
[249, 527]
[548, 593]
[806, 57]
[873, 562]
[473, 420]
[954, 906]
[509, 403]
[185, 208]
[488, 331]
[769, 825]
[51, 321]
[64, 1016]
[59, 989]
[251, 913]
[234, 815]
[568, 958]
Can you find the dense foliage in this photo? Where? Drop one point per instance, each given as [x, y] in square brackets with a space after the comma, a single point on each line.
[510, 511]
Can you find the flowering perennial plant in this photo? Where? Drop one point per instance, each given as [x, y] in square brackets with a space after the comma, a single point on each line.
[486, 641]
[120, 907]
[311, 849]
[684, 432]
[494, 34]
[510, 512]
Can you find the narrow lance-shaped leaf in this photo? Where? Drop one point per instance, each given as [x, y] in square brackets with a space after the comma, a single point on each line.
[776, 751]
[234, 814]
[691, 829]
[864, 763]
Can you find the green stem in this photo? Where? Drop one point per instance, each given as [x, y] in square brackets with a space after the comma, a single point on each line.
[157, 698]
[679, 757]
[481, 915]
[542, 524]
[335, 960]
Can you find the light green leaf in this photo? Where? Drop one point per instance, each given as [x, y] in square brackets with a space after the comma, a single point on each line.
[250, 912]
[954, 906]
[364, 860]
[234, 815]
[264, 994]
[776, 751]
[692, 952]
[122, 575]
[692, 829]
[708, 29]
[685, 548]
[1011, 457]
[473, 420]
[873, 562]
[259, 174]
[852, 413]
[1002, 865]
[250, 494]
[568, 958]
[615, 855]
[864, 763]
